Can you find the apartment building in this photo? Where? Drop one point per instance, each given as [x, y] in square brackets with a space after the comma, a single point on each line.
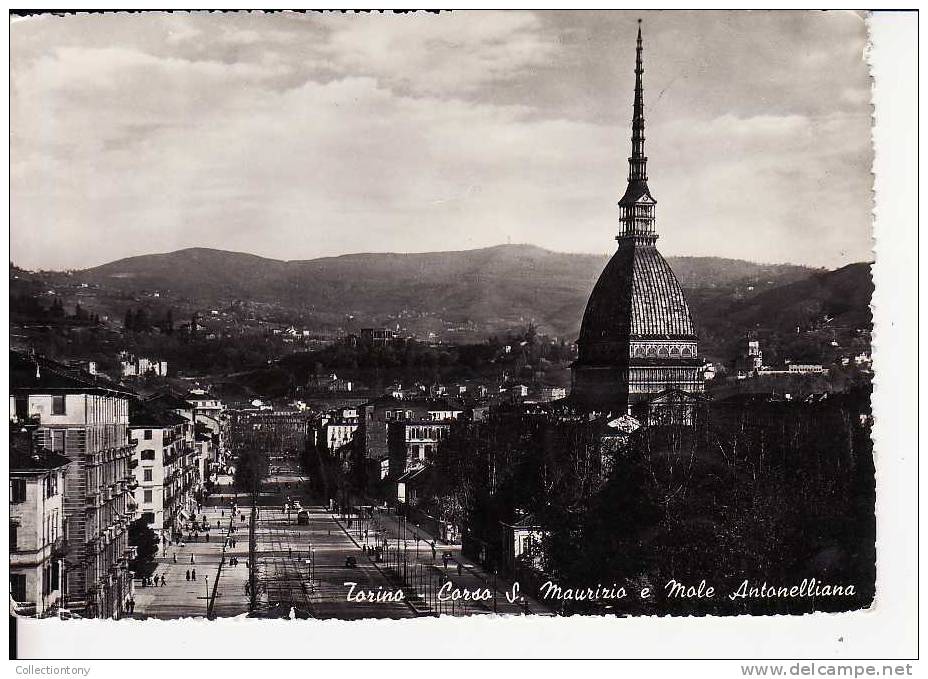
[158, 439]
[85, 418]
[37, 524]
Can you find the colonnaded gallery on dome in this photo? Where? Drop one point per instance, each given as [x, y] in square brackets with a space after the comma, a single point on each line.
[637, 344]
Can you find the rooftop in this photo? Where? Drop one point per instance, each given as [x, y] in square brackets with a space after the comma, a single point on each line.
[37, 374]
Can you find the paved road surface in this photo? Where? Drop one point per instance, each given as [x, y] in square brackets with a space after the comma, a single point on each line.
[298, 566]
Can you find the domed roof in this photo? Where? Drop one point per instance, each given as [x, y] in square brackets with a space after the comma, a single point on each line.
[636, 295]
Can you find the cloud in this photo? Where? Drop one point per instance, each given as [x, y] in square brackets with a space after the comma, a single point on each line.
[435, 54]
[300, 136]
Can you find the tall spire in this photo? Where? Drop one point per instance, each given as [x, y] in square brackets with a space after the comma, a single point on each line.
[636, 208]
[638, 163]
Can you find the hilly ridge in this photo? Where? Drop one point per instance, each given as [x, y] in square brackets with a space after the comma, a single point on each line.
[493, 286]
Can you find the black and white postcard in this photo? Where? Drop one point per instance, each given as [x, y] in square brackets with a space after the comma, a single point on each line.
[422, 321]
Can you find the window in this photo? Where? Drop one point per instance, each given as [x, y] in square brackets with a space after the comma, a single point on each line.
[146, 475]
[147, 498]
[17, 490]
[22, 407]
[147, 435]
[148, 454]
[51, 485]
[58, 405]
[18, 586]
[14, 530]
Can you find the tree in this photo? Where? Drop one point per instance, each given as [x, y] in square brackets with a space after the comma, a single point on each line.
[145, 541]
[142, 323]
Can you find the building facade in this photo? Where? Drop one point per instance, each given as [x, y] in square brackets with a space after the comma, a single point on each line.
[180, 458]
[159, 495]
[37, 525]
[412, 443]
[376, 416]
[637, 337]
[84, 418]
[139, 366]
[337, 428]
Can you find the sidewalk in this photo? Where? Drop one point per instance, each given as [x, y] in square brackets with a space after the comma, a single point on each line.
[180, 597]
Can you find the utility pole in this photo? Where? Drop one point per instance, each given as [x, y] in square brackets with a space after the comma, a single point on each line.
[252, 543]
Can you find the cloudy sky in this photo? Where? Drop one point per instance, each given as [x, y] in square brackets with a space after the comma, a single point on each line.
[299, 136]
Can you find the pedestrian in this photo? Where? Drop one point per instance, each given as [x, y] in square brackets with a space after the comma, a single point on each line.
[174, 556]
[207, 536]
[459, 569]
[162, 581]
[290, 552]
[193, 574]
[193, 559]
[188, 575]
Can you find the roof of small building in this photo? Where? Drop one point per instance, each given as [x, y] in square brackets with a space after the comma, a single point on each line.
[24, 457]
[527, 521]
[424, 403]
[148, 414]
[415, 475]
[169, 401]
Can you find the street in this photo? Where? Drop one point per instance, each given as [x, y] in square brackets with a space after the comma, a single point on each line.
[298, 567]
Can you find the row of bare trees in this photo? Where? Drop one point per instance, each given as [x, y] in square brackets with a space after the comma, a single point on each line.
[767, 491]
